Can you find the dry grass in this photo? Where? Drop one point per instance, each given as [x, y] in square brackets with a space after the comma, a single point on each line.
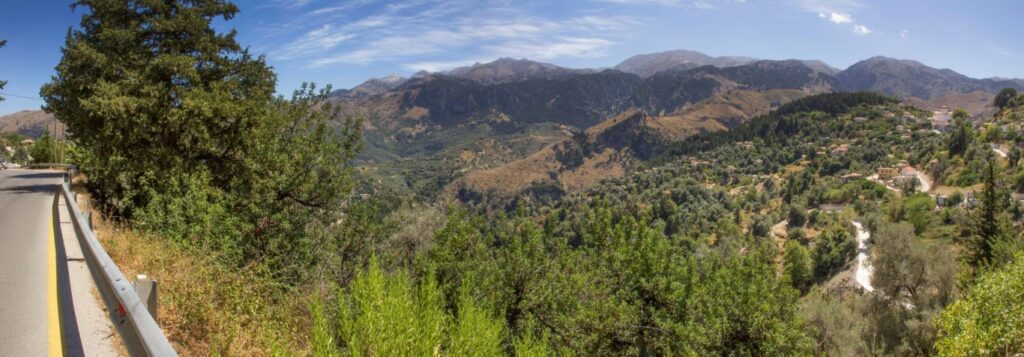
[206, 308]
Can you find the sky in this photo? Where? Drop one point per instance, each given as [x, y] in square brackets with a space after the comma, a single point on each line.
[343, 43]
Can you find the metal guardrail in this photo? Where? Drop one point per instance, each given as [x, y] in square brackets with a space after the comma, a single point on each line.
[137, 327]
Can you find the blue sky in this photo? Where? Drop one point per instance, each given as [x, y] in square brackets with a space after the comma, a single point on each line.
[345, 42]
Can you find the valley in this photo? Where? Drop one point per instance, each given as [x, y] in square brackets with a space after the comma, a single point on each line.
[530, 182]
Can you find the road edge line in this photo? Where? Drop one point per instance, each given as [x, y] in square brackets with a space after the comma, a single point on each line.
[56, 345]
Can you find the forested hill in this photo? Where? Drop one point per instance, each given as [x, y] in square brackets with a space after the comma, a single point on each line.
[781, 122]
[684, 255]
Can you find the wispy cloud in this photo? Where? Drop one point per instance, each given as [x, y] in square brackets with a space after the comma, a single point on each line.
[315, 41]
[700, 4]
[1001, 51]
[427, 34]
[836, 17]
[828, 6]
[861, 30]
[643, 2]
[291, 3]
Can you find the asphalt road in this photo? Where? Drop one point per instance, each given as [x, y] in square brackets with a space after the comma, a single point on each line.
[27, 272]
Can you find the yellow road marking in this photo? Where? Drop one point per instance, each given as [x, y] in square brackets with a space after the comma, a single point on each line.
[53, 318]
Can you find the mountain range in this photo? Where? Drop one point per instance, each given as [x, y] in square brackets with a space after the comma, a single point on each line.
[488, 125]
[515, 124]
[897, 77]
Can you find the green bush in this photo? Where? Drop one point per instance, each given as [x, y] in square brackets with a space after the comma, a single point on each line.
[989, 321]
[833, 248]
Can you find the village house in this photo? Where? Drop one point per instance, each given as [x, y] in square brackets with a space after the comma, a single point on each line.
[852, 177]
[941, 118]
[887, 173]
[903, 179]
[840, 150]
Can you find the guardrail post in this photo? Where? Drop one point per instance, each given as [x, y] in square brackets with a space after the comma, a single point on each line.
[146, 289]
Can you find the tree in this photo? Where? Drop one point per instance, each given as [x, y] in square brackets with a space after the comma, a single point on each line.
[985, 227]
[797, 265]
[833, 248]
[1002, 100]
[797, 216]
[44, 150]
[835, 326]
[960, 138]
[181, 134]
[917, 210]
[165, 95]
[989, 320]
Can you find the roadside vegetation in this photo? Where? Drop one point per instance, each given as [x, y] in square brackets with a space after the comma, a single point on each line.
[735, 242]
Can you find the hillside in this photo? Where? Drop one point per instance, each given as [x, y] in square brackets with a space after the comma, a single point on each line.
[978, 103]
[907, 78]
[613, 147]
[429, 131]
[30, 123]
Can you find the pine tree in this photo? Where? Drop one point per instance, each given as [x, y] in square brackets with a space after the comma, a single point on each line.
[960, 138]
[180, 132]
[150, 90]
[986, 228]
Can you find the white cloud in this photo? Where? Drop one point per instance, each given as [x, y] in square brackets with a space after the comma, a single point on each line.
[861, 30]
[904, 33]
[315, 41]
[836, 17]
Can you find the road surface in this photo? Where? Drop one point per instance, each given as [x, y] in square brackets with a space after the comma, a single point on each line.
[863, 273]
[1002, 153]
[29, 322]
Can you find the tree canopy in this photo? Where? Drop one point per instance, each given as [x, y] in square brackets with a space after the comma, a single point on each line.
[181, 133]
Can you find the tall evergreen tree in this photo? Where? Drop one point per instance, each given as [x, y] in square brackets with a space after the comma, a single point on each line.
[181, 133]
[150, 90]
[986, 229]
[960, 138]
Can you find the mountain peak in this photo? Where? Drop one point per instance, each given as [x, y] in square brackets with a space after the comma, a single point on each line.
[505, 69]
[909, 78]
[647, 65]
